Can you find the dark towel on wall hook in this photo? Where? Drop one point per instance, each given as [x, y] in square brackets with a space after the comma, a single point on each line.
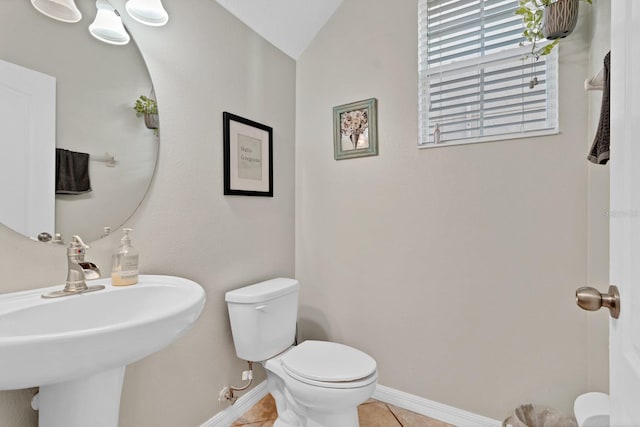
[72, 172]
[599, 153]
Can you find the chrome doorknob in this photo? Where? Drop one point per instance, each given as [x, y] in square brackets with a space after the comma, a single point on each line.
[44, 237]
[592, 300]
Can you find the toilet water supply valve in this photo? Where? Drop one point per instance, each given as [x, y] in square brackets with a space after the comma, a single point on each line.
[227, 393]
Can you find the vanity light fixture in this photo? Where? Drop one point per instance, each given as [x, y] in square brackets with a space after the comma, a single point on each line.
[148, 12]
[61, 10]
[108, 27]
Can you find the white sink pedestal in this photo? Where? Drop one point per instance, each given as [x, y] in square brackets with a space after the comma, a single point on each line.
[76, 348]
[92, 401]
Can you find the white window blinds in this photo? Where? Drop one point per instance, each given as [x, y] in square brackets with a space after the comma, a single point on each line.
[475, 84]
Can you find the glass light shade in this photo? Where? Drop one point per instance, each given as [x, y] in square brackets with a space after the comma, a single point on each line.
[61, 10]
[108, 27]
[148, 12]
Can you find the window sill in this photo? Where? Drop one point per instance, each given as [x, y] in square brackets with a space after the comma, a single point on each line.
[492, 138]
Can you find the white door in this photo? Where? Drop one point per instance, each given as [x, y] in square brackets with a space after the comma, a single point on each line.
[625, 212]
[27, 149]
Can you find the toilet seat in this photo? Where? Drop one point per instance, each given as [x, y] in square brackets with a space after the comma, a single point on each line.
[328, 364]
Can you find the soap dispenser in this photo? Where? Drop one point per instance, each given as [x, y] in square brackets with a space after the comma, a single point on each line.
[125, 263]
[436, 134]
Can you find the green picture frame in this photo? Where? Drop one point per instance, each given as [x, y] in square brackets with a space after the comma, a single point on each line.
[355, 129]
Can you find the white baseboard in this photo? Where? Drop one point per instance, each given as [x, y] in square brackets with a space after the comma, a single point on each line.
[413, 403]
[227, 416]
[432, 409]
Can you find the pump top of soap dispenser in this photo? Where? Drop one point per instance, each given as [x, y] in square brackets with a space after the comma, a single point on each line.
[126, 239]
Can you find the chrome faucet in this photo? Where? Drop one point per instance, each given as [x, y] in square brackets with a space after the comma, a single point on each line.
[78, 272]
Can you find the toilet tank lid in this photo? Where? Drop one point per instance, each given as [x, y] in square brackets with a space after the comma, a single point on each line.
[262, 291]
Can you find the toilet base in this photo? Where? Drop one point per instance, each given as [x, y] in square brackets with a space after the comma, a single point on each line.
[304, 411]
[347, 418]
[309, 418]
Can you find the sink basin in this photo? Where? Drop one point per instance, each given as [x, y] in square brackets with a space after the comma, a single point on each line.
[75, 340]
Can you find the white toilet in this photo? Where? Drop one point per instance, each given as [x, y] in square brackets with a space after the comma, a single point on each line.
[314, 384]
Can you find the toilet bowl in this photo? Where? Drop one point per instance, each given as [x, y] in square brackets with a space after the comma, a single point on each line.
[314, 384]
[316, 388]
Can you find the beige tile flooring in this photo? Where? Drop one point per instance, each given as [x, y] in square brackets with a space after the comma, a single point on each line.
[372, 413]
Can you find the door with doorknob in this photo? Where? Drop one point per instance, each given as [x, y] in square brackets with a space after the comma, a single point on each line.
[623, 300]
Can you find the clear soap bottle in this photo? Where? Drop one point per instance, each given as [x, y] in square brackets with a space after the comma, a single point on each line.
[125, 263]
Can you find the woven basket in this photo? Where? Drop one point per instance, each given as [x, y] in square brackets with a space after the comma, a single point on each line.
[560, 19]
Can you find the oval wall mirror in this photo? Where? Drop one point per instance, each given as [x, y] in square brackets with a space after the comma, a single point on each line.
[95, 86]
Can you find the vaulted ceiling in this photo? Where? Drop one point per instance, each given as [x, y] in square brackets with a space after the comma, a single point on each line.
[290, 25]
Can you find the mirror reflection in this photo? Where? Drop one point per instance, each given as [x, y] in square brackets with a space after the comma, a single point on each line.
[68, 96]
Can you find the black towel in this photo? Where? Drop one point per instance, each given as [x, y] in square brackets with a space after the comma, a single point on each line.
[72, 172]
[599, 153]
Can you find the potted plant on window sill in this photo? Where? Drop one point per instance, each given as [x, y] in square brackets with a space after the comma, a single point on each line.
[148, 108]
[548, 19]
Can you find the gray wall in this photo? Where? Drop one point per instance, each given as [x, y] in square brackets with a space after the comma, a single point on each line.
[455, 267]
[202, 63]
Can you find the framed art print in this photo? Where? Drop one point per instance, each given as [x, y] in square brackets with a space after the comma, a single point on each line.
[355, 129]
[248, 157]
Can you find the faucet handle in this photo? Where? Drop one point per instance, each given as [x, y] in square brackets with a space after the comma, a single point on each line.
[76, 242]
[76, 248]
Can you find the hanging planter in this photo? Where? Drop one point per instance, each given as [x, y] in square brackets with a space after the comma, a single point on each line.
[560, 19]
[151, 121]
[547, 19]
[147, 107]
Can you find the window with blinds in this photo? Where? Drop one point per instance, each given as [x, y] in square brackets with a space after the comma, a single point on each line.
[476, 83]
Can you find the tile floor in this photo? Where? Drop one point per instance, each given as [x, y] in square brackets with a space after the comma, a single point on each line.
[372, 413]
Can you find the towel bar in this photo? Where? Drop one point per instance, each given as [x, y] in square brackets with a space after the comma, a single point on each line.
[109, 159]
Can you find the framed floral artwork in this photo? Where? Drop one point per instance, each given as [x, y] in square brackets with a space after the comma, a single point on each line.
[248, 157]
[355, 129]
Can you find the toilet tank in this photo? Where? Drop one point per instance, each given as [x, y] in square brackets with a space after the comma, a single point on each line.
[263, 318]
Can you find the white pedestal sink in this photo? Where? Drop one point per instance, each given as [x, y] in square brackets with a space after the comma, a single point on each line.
[76, 348]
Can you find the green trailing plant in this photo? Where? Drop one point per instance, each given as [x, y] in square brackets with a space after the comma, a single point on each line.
[532, 12]
[148, 108]
[145, 105]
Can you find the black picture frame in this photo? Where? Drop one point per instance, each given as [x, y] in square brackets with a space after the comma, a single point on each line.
[246, 144]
